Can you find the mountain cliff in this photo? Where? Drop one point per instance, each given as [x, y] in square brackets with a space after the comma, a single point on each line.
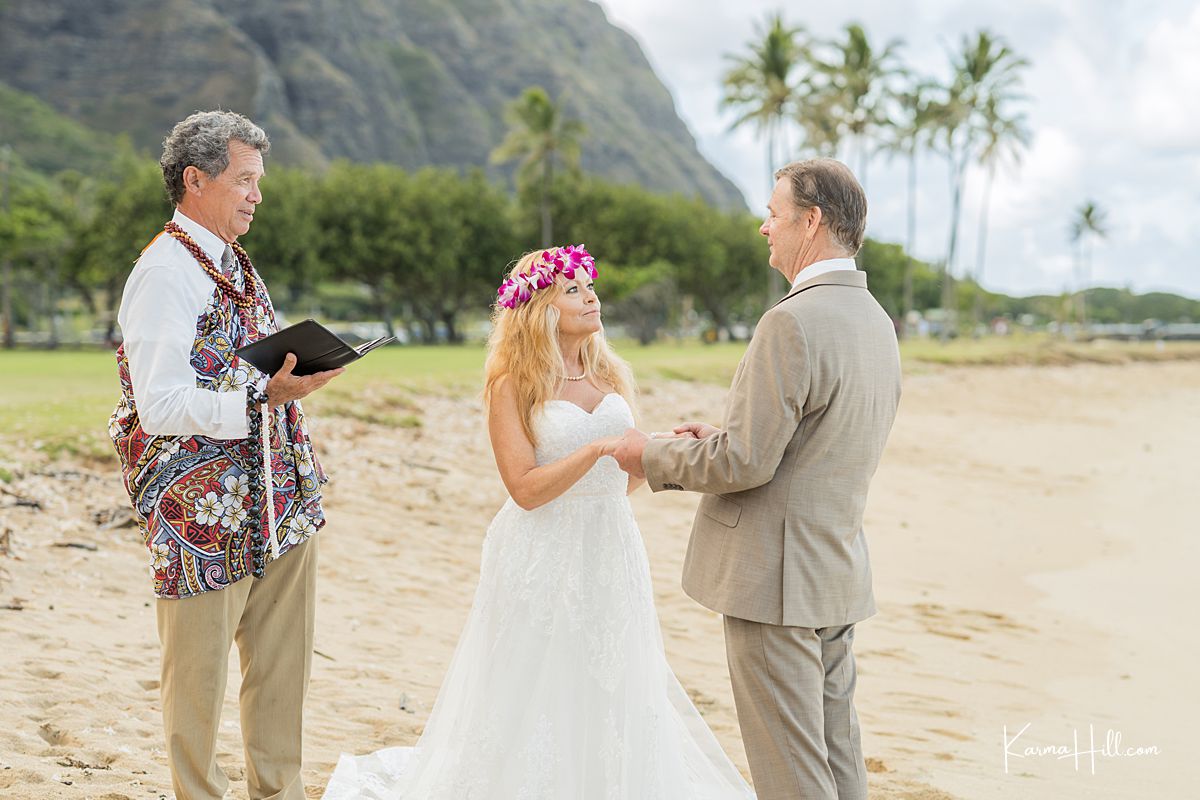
[412, 82]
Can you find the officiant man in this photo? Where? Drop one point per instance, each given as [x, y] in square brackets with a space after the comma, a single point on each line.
[219, 467]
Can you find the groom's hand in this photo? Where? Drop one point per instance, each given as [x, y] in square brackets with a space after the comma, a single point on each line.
[697, 430]
[629, 452]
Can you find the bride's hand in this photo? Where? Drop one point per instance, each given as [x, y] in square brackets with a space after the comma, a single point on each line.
[607, 446]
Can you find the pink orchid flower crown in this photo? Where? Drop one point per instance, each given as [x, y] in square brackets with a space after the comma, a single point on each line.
[556, 261]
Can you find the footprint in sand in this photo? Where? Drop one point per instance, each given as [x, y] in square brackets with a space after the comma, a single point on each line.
[53, 735]
[44, 674]
[897, 653]
[702, 701]
[961, 737]
[19, 777]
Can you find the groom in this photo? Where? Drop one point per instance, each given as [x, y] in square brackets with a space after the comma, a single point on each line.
[777, 546]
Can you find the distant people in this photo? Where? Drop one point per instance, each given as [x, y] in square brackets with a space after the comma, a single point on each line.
[220, 469]
[777, 545]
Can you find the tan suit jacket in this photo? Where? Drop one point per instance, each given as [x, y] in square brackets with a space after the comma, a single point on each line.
[778, 535]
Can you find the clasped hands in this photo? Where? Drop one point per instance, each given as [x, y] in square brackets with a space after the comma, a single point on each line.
[628, 449]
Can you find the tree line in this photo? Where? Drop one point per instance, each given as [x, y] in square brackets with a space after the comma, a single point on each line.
[425, 251]
[422, 249]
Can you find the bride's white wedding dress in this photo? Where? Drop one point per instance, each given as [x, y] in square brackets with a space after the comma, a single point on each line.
[559, 688]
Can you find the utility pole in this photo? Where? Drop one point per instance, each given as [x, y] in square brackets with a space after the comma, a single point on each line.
[6, 256]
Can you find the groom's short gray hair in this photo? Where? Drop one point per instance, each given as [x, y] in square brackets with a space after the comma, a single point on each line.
[830, 186]
[202, 141]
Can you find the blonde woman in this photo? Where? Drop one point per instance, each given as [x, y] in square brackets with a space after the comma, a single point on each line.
[559, 688]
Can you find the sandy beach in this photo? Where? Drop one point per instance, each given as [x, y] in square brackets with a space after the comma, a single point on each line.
[1033, 532]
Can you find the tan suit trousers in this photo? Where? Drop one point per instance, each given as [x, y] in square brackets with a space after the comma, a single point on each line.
[271, 619]
[794, 692]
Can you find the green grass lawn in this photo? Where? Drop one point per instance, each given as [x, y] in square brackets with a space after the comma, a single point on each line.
[59, 402]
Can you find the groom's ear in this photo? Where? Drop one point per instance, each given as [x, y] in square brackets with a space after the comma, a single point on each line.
[812, 217]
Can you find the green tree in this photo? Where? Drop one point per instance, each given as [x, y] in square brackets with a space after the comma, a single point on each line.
[367, 231]
[32, 233]
[712, 256]
[466, 239]
[285, 240]
[763, 86]
[982, 68]
[766, 87]
[893, 273]
[540, 135]
[644, 299]
[127, 213]
[859, 81]
[1004, 136]
[912, 129]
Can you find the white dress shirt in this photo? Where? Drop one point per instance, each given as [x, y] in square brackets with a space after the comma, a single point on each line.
[821, 267]
[165, 294]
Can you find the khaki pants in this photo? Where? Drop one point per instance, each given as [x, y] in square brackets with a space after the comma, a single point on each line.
[794, 692]
[271, 619]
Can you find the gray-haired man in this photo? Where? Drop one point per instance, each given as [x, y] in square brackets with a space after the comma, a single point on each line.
[219, 468]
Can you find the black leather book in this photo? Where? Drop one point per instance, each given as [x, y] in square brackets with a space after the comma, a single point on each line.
[316, 348]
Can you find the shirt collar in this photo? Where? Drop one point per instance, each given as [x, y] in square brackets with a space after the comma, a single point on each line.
[821, 267]
[209, 242]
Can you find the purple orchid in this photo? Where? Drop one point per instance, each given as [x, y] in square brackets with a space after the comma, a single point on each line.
[565, 261]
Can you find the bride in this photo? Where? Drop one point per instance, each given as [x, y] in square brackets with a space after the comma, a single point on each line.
[559, 688]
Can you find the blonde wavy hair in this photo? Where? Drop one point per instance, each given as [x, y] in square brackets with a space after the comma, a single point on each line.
[523, 347]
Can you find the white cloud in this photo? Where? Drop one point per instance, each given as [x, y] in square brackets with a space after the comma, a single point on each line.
[1165, 85]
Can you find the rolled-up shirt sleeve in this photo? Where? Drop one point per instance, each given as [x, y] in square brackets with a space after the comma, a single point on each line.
[158, 322]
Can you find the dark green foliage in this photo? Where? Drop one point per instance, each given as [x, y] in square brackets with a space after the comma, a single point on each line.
[427, 250]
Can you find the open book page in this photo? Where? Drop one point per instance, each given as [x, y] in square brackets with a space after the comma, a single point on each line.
[363, 349]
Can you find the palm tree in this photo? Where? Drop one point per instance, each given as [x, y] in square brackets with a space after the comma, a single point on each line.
[913, 128]
[1090, 223]
[983, 67]
[539, 134]
[763, 86]
[859, 79]
[819, 118]
[1004, 137]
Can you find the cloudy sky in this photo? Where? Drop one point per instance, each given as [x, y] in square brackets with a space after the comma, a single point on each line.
[1114, 109]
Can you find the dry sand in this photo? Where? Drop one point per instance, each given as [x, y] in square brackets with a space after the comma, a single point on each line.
[1033, 535]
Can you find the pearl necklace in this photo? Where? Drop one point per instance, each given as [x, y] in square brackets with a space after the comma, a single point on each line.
[576, 377]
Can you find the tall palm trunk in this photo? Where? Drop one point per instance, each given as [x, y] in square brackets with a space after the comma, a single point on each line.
[1086, 246]
[775, 286]
[958, 178]
[911, 237]
[981, 253]
[864, 159]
